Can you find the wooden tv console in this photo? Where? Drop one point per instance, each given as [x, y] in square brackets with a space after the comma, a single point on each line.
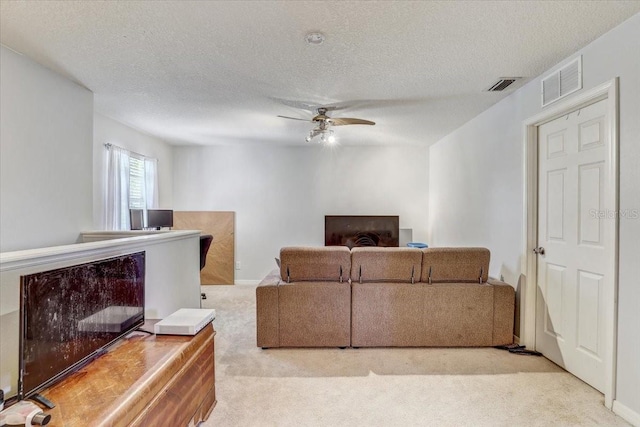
[143, 380]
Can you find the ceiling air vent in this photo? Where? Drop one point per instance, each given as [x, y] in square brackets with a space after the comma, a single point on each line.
[562, 82]
[502, 84]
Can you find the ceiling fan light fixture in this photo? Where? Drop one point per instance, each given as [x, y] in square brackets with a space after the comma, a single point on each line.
[327, 137]
[323, 123]
[315, 38]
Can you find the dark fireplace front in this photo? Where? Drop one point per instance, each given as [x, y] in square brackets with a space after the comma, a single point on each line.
[361, 230]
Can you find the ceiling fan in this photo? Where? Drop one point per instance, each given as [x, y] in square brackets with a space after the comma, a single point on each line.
[323, 125]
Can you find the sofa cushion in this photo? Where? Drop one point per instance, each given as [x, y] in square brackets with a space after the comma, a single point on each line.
[376, 264]
[328, 263]
[455, 264]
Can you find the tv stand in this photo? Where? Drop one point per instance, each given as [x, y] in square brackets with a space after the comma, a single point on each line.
[143, 380]
[43, 401]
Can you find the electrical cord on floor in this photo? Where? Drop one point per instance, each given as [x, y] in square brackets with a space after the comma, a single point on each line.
[518, 349]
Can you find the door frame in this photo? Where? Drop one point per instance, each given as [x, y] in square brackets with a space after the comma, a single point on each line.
[608, 91]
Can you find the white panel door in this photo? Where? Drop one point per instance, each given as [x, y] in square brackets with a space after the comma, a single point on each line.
[570, 323]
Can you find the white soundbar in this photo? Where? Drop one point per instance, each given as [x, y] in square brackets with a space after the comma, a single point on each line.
[186, 321]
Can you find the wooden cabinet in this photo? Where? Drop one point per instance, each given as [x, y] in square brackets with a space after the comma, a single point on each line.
[144, 380]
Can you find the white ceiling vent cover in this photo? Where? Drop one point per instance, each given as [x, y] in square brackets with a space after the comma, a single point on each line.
[562, 82]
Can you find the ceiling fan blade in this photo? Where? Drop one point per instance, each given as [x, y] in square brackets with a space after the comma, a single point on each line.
[349, 121]
[294, 118]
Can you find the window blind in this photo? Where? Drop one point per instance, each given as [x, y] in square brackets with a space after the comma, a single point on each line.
[137, 193]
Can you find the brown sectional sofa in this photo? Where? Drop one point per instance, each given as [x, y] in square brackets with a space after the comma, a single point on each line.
[382, 297]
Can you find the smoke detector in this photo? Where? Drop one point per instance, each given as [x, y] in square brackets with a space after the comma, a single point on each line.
[315, 38]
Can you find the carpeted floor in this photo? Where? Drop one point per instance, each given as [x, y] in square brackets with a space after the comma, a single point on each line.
[385, 387]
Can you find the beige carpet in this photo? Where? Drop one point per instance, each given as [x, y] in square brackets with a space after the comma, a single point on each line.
[385, 387]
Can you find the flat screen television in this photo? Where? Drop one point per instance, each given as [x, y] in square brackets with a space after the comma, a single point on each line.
[361, 230]
[136, 217]
[68, 316]
[158, 218]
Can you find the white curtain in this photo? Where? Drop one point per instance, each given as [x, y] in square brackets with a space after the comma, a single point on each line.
[117, 204]
[151, 182]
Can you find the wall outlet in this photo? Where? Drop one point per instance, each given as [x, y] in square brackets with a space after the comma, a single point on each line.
[237, 265]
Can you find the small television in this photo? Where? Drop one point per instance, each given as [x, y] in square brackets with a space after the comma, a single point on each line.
[158, 218]
[361, 230]
[70, 315]
[136, 217]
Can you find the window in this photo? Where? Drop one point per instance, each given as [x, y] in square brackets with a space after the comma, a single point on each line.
[131, 183]
[137, 199]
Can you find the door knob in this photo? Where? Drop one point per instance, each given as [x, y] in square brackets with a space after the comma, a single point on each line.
[539, 250]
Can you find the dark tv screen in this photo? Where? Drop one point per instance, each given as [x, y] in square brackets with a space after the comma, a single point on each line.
[158, 218]
[70, 315]
[360, 230]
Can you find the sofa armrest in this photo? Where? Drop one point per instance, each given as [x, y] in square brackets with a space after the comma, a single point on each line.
[267, 331]
[504, 300]
[273, 278]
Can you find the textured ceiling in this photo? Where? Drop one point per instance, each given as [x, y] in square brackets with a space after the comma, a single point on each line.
[220, 72]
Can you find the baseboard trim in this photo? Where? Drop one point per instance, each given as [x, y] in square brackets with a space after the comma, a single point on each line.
[625, 412]
[247, 282]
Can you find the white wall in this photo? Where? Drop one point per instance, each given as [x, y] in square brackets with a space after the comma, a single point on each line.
[107, 130]
[46, 129]
[476, 192]
[476, 189]
[281, 194]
